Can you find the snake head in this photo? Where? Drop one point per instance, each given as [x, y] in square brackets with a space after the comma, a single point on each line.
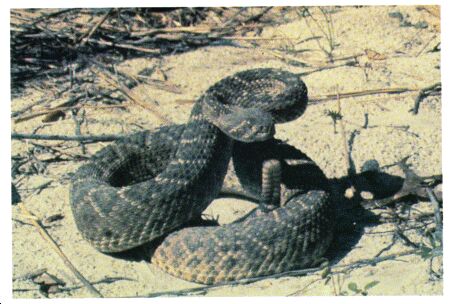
[246, 124]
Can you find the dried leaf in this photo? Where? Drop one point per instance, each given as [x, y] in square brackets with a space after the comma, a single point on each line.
[373, 55]
[371, 284]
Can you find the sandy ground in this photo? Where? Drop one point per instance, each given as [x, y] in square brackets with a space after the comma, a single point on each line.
[404, 61]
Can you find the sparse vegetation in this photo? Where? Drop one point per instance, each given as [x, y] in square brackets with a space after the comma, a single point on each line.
[324, 24]
[78, 73]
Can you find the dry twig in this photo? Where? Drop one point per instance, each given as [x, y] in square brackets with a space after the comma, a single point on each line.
[60, 108]
[424, 93]
[317, 99]
[80, 138]
[49, 239]
[85, 37]
[339, 268]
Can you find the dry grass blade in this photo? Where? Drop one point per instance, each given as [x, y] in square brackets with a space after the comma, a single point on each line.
[88, 34]
[317, 99]
[335, 269]
[80, 138]
[55, 247]
[154, 51]
[61, 108]
[327, 33]
[162, 85]
[132, 97]
[200, 29]
[434, 10]
[287, 58]
[347, 156]
[181, 29]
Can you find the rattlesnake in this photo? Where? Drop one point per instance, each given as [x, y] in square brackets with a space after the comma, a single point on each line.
[148, 185]
[136, 190]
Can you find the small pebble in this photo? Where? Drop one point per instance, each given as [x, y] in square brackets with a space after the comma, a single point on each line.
[367, 195]
[349, 192]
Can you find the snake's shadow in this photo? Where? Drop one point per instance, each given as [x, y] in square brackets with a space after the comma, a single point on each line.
[300, 172]
[351, 217]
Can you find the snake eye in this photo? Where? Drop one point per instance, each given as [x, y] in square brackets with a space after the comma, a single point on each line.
[107, 233]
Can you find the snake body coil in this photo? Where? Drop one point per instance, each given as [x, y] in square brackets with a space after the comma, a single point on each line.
[150, 184]
[136, 190]
[288, 237]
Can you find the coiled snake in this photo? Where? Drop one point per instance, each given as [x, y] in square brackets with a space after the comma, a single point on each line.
[147, 186]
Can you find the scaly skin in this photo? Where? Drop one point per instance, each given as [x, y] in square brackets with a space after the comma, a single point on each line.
[292, 236]
[134, 191]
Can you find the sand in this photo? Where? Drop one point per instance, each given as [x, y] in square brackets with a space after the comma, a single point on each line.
[403, 60]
